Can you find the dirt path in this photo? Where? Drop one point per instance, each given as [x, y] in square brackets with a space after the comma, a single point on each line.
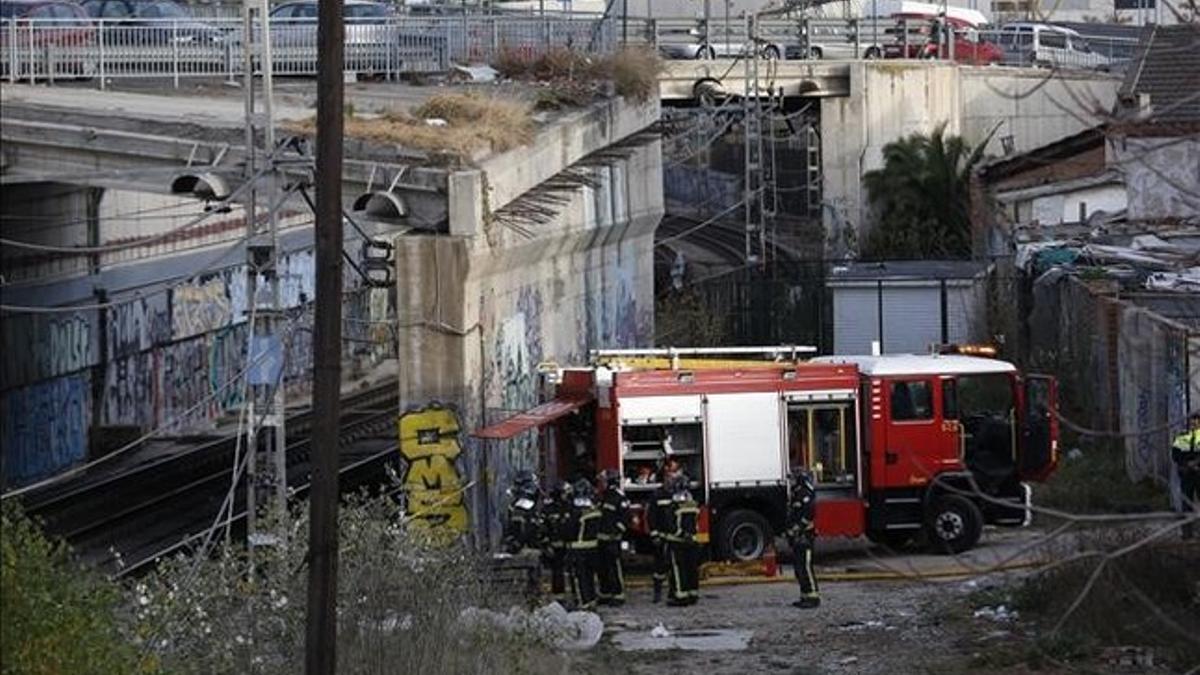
[898, 626]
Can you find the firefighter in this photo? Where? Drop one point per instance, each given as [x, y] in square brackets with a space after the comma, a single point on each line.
[683, 550]
[522, 524]
[584, 527]
[801, 531]
[556, 518]
[614, 514]
[659, 524]
[1185, 452]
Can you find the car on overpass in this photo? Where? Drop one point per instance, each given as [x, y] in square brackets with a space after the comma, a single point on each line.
[1048, 46]
[721, 42]
[375, 41]
[44, 39]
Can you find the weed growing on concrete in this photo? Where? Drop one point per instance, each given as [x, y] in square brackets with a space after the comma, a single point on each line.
[572, 78]
[455, 128]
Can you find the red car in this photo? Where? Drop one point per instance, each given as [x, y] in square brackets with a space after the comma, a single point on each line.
[923, 43]
[45, 38]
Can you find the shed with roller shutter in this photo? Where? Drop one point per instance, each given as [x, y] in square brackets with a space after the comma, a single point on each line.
[907, 306]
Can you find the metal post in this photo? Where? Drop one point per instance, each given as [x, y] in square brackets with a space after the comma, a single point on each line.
[321, 638]
[100, 69]
[175, 52]
[251, 213]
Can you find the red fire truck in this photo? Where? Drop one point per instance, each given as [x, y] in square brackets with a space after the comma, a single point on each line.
[899, 445]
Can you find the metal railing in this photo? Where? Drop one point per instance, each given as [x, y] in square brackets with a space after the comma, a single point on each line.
[837, 39]
[52, 50]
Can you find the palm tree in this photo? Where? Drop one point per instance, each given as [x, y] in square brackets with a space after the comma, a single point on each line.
[920, 197]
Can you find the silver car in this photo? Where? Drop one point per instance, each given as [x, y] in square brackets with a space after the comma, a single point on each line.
[721, 44]
[375, 41]
[1039, 44]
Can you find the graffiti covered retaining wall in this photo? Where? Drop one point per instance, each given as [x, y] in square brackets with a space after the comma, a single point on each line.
[431, 449]
[168, 362]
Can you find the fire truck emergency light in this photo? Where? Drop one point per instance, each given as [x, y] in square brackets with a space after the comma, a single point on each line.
[986, 351]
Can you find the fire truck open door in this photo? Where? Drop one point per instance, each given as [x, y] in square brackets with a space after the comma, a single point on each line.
[1039, 428]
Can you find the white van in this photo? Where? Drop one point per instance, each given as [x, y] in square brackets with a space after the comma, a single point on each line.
[1040, 44]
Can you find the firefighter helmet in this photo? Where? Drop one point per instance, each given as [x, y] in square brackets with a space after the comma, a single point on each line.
[561, 490]
[611, 478]
[583, 489]
[801, 479]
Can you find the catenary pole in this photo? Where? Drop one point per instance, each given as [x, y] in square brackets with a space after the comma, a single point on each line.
[321, 638]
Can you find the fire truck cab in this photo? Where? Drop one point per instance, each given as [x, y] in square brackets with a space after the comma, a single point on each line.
[898, 445]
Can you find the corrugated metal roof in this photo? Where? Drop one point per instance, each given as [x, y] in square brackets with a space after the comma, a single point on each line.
[534, 417]
[908, 270]
[1167, 68]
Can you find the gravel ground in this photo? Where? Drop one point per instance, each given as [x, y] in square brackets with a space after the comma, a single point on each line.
[861, 627]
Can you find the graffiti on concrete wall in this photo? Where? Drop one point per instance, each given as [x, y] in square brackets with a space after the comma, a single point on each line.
[431, 449]
[130, 391]
[138, 325]
[200, 306]
[45, 427]
[226, 361]
[184, 383]
[41, 346]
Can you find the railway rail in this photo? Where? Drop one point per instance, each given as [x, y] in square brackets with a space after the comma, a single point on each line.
[123, 520]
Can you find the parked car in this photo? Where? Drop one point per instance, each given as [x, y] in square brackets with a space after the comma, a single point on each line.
[1039, 44]
[152, 23]
[721, 44]
[45, 37]
[375, 40]
[837, 42]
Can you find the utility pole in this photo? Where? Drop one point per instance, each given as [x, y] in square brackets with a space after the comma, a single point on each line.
[266, 461]
[320, 647]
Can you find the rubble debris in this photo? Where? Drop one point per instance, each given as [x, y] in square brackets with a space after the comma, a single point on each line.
[713, 640]
[999, 613]
[483, 73]
[552, 625]
[861, 625]
[1129, 656]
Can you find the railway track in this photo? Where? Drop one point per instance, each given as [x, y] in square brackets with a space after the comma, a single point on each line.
[124, 520]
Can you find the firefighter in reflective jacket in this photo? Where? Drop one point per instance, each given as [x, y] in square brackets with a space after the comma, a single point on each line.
[584, 526]
[801, 531]
[614, 513]
[523, 519]
[683, 550]
[1185, 452]
[556, 519]
[660, 522]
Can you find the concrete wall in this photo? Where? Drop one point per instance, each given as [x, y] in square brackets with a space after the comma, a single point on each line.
[1162, 176]
[166, 358]
[889, 100]
[1064, 207]
[478, 313]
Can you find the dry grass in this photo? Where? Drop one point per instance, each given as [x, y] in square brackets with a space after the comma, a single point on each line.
[575, 78]
[474, 124]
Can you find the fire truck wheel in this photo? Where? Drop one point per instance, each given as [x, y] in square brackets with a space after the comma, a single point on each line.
[743, 535]
[954, 524]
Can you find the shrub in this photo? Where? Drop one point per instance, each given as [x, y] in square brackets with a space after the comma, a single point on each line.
[55, 616]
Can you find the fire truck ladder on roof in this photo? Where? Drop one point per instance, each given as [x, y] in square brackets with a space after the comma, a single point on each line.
[777, 353]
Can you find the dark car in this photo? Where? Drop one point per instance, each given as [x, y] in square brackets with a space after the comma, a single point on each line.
[46, 38]
[151, 23]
